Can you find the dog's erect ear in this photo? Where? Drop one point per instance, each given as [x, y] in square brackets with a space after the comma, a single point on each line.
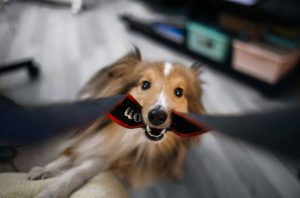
[137, 53]
[197, 66]
[132, 56]
[195, 105]
[125, 64]
[116, 78]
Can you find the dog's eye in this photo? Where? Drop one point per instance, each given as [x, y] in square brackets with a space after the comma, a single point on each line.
[146, 85]
[178, 92]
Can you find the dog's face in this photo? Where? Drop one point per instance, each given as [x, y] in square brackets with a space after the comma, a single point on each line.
[161, 89]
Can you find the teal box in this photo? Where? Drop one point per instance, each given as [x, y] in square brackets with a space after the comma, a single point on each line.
[208, 41]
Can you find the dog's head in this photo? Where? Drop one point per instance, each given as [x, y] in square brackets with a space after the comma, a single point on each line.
[159, 87]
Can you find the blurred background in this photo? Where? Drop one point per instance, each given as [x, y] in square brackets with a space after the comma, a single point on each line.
[249, 48]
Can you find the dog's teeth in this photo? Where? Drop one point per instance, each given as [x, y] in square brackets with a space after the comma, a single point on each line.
[163, 132]
[148, 129]
[160, 135]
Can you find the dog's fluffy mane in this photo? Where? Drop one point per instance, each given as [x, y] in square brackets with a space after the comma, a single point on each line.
[143, 164]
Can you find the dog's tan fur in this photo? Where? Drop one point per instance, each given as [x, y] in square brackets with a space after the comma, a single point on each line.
[127, 152]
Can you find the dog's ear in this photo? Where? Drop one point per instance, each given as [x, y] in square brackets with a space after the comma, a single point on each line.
[125, 64]
[116, 78]
[133, 55]
[195, 94]
[197, 66]
[195, 103]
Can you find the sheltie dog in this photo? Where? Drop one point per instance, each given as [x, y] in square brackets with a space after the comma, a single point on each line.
[139, 156]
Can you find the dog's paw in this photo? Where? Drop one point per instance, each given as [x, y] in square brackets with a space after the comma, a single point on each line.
[39, 173]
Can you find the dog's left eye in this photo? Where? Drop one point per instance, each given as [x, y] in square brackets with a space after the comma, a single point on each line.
[178, 92]
[146, 85]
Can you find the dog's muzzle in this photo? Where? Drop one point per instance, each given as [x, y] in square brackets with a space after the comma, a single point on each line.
[128, 113]
[156, 117]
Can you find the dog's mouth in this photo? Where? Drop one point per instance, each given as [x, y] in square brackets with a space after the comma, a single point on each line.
[128, 113]
[154, 134]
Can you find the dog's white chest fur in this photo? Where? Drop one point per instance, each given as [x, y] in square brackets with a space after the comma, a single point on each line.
[112, 140]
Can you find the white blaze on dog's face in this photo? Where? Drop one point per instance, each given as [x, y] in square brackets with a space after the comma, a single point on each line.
[162, 87]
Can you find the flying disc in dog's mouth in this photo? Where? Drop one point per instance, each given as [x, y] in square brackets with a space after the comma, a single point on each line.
[128, 113]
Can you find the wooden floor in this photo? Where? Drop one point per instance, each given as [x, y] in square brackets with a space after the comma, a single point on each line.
[70, 48]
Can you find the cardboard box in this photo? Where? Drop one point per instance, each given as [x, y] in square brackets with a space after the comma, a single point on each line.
[262, 61]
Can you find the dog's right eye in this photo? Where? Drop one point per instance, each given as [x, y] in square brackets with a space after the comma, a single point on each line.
[146, 85]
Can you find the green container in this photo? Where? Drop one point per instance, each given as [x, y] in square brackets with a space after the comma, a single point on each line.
[208, 41]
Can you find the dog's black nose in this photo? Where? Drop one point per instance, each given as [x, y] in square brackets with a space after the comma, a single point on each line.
[157, 116]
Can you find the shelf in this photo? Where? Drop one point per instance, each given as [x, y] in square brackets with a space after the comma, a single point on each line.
[146, 29]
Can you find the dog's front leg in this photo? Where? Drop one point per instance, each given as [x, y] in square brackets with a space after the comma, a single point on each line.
[72, 179]
[51, 169]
